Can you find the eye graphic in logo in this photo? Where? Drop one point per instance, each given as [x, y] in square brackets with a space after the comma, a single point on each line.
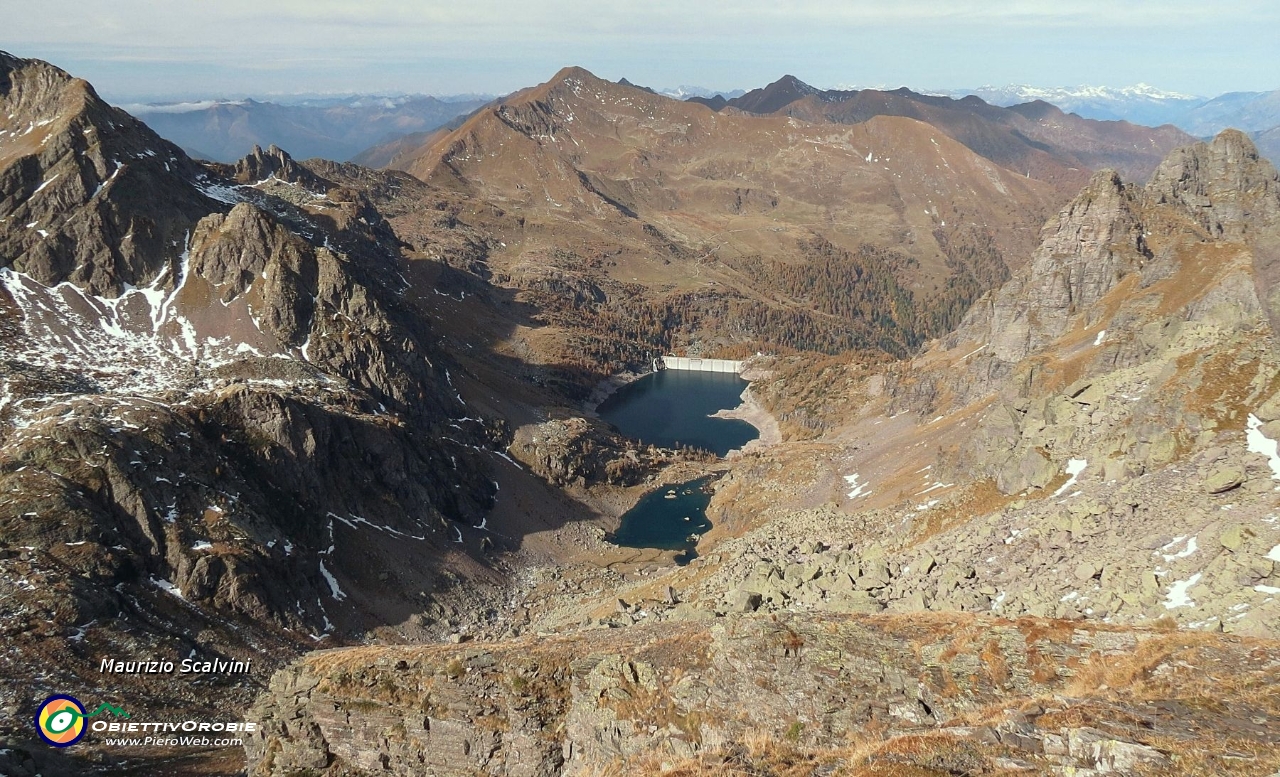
[60, 720]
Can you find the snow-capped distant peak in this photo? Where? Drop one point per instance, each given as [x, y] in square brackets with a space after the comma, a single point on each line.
[684, 92]
[1050, 94]
[1140, 103]
[139, 109]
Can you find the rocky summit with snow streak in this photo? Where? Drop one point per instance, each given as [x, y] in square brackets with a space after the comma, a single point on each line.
[216, 405]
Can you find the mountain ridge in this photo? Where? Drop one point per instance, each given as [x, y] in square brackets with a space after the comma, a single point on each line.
[689, 197]
[219, 425]
[1034, 137]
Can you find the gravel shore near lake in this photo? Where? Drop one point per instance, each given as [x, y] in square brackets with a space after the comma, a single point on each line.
[754, 413]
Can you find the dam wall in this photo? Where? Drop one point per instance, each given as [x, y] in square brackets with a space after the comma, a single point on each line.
[701, 365]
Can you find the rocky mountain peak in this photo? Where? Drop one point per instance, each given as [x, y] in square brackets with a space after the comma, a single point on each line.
[35, 90]
[775, 96]
[275, 162]
[1084, 252]
[88, 194]
[1127, 281]
[574, 78]
[1224, 185]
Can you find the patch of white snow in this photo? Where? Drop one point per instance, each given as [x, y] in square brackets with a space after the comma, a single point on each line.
[1258, 442]
[1178, 593]
[332, 581]
[1074, 468]
[856, 489]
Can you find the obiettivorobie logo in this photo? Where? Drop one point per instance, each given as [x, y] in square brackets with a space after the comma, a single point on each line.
[60, 720]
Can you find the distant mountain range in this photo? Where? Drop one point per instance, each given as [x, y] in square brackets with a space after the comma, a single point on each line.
[329, 127]
[684, 92]
[1144, 104]
[1140, 104]
[1035, 139]
[1256, 113]
[363, 127]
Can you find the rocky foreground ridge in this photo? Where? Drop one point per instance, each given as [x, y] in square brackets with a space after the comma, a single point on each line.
[921, 694]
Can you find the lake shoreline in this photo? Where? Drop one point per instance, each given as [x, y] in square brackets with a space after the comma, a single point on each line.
[752, 412]
[609, 386]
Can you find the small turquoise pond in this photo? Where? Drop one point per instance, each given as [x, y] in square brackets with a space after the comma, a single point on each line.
[670, 518]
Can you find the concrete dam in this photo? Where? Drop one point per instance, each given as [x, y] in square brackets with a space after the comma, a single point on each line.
[697, 365]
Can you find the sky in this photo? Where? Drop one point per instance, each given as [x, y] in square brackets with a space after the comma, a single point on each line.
[136, 50]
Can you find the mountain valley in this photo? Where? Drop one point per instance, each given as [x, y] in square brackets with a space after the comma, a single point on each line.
[1013, 508]
[224, 130]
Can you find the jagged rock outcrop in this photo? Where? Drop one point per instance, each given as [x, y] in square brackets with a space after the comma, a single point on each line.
[275, 162]
[1128, 288]
[1102, 236]
[1092, 244]
[1225, 185]
[1233, 193]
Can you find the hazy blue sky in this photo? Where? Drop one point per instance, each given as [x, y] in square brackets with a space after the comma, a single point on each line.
[173, 48]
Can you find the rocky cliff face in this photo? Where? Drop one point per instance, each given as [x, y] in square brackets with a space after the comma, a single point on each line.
[224, 426]
[89, 194]
[1224, 189]
[1092, 244]
[1226, 186]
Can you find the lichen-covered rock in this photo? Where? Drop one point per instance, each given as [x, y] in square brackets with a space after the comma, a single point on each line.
[1223, 479]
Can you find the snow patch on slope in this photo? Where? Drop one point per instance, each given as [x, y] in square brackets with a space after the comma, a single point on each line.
[1074, 468]
[1257, 442]
[856, 489]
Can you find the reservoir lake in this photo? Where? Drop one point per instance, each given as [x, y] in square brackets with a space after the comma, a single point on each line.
[670, 408]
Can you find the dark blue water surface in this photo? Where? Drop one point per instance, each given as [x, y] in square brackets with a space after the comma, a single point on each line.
[668, 519]
[670, 408]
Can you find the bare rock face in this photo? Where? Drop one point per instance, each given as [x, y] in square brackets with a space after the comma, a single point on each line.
[1233, 193]
[1100, 238]
[221, 422]
[1129, 288]
[276, 163]
[1084, 252]
[1225, 185]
